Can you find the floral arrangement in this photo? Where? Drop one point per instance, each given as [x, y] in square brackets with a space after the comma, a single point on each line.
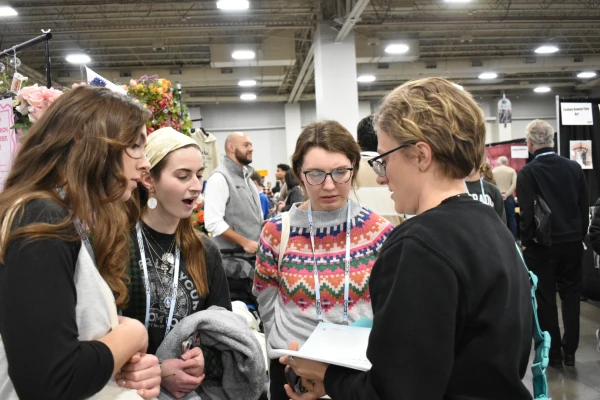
[30, 104]
[198, 218]
[163, 101]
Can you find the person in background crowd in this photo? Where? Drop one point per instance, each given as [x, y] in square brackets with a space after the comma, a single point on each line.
[232, 208]
[294, 193]
[325, 160]
[165, 246]
[486, 173]
[595, 239]
[264, 200]
[280, 182]
[451, 297]
[506, 179]
[485, 192]
[369, 192]
[562, 185]
[61, 337]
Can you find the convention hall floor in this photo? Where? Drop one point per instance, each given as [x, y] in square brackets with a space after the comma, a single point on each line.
[581, 382]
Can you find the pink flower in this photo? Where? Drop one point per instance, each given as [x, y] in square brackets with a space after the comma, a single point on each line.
[35, 113]
[35, 100]
[76, 85]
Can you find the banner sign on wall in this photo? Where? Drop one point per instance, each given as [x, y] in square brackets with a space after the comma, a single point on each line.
[8, 140]
[581, 151]
[576, 114]
[504, 119]
[519, 152]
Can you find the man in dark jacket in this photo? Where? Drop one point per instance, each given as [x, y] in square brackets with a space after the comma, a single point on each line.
[561, 184]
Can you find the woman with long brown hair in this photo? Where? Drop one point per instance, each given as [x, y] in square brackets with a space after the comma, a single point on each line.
[61, 337]
[175, 271]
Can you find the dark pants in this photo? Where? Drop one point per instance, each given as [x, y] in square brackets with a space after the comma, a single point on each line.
[277, 380]
[558, 268]
[511, 219]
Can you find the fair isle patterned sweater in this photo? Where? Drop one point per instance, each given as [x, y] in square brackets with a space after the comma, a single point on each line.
[286, 299]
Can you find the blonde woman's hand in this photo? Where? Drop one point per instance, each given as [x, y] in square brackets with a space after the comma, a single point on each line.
[316, 390]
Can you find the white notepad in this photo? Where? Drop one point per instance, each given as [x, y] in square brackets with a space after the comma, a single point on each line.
[341, 345]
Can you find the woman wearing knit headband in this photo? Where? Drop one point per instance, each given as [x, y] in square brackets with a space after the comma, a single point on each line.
[174, 270]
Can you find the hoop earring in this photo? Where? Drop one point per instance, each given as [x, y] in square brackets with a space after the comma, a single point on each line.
[152, 203]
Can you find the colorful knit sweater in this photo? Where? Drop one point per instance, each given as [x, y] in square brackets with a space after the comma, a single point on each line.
[286, 298]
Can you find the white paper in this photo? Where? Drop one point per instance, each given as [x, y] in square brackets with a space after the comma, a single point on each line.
[519, 152]
[341, 345]
[576, 114]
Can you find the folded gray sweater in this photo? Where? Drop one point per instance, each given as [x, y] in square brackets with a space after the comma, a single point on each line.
[244, 375]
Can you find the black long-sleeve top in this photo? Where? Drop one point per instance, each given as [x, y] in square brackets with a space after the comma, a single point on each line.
[38, 299]
[562, 185]
[452, 312]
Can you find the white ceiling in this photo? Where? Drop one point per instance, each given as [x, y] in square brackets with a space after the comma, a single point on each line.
[457, 41]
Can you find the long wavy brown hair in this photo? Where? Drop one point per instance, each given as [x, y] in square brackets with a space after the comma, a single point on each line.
[188, 238]
[78, 145]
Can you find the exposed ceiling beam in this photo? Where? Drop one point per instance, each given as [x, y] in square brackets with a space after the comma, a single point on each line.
[306, 65]
[351, 20]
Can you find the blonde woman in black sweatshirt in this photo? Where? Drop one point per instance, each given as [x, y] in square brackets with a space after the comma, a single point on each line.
[451, 297]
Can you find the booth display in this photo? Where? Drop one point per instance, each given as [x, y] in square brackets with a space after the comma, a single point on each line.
[578, 130]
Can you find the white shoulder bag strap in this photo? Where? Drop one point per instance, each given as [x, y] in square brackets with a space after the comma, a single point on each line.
[285, 237]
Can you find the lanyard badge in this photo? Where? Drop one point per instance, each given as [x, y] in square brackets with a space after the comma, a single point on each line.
[346, 269]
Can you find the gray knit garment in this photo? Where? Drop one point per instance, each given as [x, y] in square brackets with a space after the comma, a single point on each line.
[244, 374]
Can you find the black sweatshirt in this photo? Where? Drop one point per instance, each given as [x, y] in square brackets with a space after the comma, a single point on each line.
[38, 297]
[452, 312]
[562, 185]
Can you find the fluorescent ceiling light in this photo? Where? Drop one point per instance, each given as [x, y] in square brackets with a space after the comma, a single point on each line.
[589, 74]
[541, 89]
[488, 75]
[458, 1]
[233, 4]
[366, 78]
[396, 49]
[243, 55]
[6, 11]
[546, 49]
[248, 96]
[78, 58]
[247, 83]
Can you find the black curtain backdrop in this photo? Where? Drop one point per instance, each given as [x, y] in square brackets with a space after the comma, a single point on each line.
[584, 132]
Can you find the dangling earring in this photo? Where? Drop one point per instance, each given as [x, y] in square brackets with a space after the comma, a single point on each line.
[152, 203]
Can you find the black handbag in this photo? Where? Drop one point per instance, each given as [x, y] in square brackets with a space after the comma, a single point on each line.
[542, 216]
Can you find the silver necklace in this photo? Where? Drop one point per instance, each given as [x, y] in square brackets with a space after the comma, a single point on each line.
[167, 257]
[165, 260]
[164, 268]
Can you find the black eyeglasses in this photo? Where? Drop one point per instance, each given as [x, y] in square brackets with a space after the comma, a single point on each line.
[316, 177]
[378, 166]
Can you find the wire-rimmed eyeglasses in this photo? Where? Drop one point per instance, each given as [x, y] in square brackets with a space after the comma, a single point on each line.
[378, 166]
[315, 177]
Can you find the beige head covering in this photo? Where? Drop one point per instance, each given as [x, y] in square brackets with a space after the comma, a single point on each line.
[163, 141]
